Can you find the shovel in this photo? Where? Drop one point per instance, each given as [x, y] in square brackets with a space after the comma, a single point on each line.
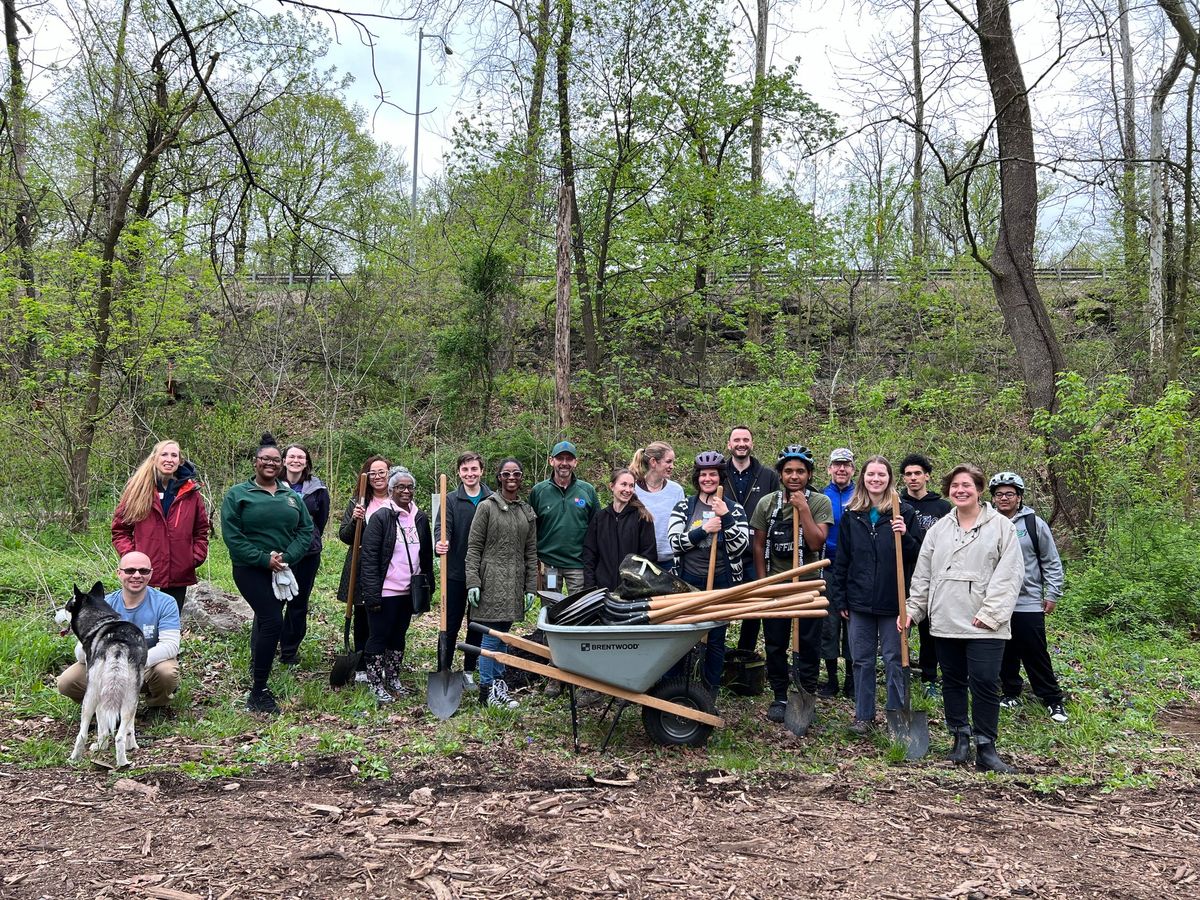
[801, 705]
[346, 662]
[906, 727]
[443, 693]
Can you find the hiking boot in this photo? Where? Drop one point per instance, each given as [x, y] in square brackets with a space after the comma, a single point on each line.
[960, 753]
[261, 700]
[986, 760]
[1057, 713]
[290, 659]
[862, 727]
[498, 696]
[1009, 702]
[776, 710]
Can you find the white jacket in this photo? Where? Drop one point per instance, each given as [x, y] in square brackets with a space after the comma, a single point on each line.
[967, 575]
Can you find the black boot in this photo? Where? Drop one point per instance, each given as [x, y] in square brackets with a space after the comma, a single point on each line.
[848, 683]
[986, 759]
[960, 754]
[484, 691]
[830, 687]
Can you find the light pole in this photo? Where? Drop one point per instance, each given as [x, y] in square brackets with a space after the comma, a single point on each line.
[421, 35]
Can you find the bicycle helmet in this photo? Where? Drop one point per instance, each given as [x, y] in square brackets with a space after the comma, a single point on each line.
[1006, 479]
[795, 451]
[709, 459]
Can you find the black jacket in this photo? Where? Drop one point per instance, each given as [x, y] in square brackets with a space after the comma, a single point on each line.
[611, 536]
[346, 536]
[763, 480]
[460, 513]
[929, 508]
[378, 543]
[863, 575]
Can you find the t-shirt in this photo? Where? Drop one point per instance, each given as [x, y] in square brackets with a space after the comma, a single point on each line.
[660, 503]
[157, 613]
[774, 518]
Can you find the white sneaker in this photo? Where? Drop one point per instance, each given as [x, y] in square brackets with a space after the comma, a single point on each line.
[468, 680]
[499, 696]
[1057, 713]
[360, 677]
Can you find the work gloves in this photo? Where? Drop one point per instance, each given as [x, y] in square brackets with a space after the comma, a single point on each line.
[529, 601]
[472, 597]
[284, 584]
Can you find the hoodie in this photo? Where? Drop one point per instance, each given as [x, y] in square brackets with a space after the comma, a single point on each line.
[929, 508]
[1044, 578]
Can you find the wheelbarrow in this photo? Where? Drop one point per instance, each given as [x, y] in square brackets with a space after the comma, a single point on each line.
[626, 663]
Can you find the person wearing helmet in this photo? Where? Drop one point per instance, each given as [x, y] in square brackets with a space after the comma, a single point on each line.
[835, 636]
[747, 481]
[772, 536]
[696, 522]
[1039, 595]
[916, 470]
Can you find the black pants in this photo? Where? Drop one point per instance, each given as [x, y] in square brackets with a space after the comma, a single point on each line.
[389, 626]
[1028, 646]
[971, 664]
[777, 640]
[295, 614]
[179, 594]
[255, 585]
[928, 660]
[362, 631]
[456, 611]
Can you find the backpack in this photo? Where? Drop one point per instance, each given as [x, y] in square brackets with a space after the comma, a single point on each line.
[1030, 520]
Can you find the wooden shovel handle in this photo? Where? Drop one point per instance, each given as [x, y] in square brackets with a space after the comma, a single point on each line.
[796, 565]
[699, 598]
[900, 582]
[745, 609]
[712, 552]
[789, 613]
[773, 590]
[356, 546]
[446, 556]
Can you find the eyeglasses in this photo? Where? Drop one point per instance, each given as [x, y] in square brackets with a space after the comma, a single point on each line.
[408, 488]
[270, 459]
[1004, 495]
[137, 571]
[512, 474]
[377, 474]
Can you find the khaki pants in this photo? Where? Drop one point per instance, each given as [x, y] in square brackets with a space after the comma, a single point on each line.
[159, 682]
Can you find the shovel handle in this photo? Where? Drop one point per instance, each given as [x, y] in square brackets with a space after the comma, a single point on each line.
[900, 582]
[445, 557]
[355, 547]
[513, 640]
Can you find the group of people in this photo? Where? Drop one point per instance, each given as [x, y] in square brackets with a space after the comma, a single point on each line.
[979, 577]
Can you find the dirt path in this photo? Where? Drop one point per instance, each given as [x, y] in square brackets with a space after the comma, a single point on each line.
[487, 827]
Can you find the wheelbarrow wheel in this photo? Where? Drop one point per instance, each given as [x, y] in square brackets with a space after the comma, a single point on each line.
[672, 730]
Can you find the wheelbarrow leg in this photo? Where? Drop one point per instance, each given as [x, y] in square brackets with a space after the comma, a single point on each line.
[574, 716]
[613, 726]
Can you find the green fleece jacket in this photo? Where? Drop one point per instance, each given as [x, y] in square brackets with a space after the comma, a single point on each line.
[562, 520]
[255, 522]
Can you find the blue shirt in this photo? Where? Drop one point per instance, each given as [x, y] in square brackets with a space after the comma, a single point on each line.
[156, 613]
[840, 498]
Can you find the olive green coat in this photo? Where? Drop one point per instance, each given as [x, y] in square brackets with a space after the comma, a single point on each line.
[502, 558]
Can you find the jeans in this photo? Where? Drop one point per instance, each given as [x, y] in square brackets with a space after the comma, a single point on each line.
[971, 664]
[490, 669]
[1028, 646]
[256, 586]
[389, 626]
[714, 649]
[295, 613]
[835, 638]
[869, 635]
[456, 611]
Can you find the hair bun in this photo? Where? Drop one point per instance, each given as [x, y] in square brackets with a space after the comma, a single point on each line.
[267, 440]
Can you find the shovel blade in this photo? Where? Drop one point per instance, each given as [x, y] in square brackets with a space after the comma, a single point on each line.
[801, 708]
[911, 729]
[344, 667]
[443, 693]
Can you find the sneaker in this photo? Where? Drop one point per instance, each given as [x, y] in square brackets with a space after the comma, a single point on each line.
[262, 701]
[498, 696]
[862, 727]
[828, 689]
[360, 677]
[468, 679]
[1057, 713]
[932, 691]
[776, 710]
[1009, 702]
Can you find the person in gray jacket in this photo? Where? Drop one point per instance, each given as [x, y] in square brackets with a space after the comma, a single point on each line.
[1039, 595]
[501, 570]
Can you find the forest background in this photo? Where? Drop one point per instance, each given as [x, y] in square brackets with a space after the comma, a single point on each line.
[644, 228]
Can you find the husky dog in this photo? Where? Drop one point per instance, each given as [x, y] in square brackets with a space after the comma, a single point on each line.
[115, 655]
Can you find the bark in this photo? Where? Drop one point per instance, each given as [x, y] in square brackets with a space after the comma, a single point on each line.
[754, 319]
[567, 154]
[1011, 265]
[562, 313]
[1155, 309]
[1129, 218]
[1181, 309]
[918, 172]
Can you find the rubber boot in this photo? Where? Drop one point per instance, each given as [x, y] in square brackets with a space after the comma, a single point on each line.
[392, 661]
[960, 753]
[376, 680]
[986, 759]
[485, 691]
[830, 687]
[848, 683]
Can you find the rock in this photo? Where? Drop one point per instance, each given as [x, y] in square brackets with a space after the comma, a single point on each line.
[210, 608]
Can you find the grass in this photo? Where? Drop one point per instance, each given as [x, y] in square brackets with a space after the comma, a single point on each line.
[1118, 685]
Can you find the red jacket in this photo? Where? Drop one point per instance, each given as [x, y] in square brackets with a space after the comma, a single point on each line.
[175, 545]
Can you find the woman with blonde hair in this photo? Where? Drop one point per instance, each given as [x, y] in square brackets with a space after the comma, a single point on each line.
[862, 584]
[162, 514]
[652, 467]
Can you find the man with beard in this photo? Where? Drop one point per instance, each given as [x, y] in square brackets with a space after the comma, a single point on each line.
[916, 470]
[835, 636]
[564, 506]
[772, 535]
[747, 481]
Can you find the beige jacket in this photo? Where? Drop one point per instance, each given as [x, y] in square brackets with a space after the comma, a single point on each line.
[966, 575]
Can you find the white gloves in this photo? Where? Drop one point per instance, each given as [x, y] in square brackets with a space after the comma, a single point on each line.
[285, 585]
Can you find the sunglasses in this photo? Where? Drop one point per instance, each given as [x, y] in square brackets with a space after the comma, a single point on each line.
[137, 571]
[512, 474]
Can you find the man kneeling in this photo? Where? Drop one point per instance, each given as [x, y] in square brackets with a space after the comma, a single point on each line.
[157, 615]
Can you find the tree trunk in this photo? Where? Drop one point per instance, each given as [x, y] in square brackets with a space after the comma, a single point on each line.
[1131, 248]
[562, 312]
[1181, 309]
[918, 171]
[754, 318]
[1155, 309]
[1011, 265]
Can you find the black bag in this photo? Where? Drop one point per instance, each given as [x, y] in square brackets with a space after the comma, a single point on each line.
[422, 593]
[744, 673]
[641, 577]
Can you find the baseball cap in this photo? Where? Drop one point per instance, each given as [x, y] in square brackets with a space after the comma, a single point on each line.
[564, 447]
[841, 454]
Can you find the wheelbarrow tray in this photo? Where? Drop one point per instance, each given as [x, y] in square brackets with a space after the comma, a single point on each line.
[630, 657]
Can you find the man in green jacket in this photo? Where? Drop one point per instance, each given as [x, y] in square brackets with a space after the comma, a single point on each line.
[564, 506]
